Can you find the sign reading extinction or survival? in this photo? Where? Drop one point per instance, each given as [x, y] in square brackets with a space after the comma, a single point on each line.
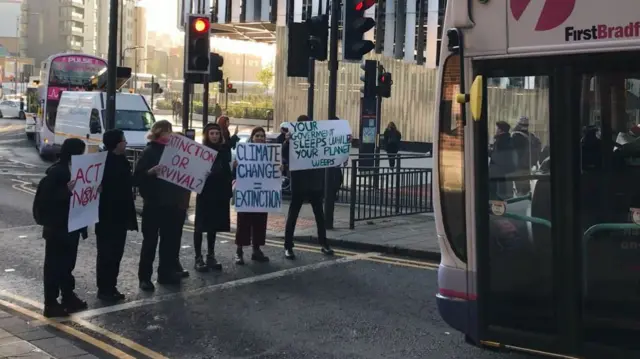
[319, 144]
[186, 163]
[258, 177]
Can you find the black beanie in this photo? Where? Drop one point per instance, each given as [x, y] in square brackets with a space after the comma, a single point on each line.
[111, 138]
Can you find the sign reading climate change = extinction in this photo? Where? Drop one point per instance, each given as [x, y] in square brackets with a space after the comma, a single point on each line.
[319, 144]
[258, 177]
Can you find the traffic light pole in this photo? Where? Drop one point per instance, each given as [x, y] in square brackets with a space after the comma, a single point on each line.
[185, 92]
[311, 79]
[329, 193]
[205, 101]
[112, 65]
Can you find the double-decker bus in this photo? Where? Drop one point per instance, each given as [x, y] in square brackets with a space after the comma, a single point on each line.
[538, 165]
[60, 72]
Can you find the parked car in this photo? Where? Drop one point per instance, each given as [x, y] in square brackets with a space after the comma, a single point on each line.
[11, 109]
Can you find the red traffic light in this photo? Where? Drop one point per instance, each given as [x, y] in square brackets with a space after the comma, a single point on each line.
[365, 4]
[201, 24]
[229, 86]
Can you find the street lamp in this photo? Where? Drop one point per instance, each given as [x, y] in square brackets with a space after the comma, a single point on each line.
[124, 51]
[135, 79]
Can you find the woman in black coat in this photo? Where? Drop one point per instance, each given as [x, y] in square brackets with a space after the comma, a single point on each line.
[213, 204]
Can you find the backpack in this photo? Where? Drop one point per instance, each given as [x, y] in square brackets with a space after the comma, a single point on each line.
[39, 203]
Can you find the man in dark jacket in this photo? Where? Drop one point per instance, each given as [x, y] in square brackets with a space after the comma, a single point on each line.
[163, 214]
[306, 185]
[117, 215]
[61, 248]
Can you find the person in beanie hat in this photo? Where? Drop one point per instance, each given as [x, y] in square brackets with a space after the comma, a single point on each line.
[117, 215]
[213, 203]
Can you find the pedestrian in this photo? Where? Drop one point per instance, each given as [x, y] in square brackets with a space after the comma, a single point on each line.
[391, 141]
[51, 204]
[117, 215]
[213, 203]
[231, 141]
[164, 211]
[528, 148]
[503, 161]
[217, 111]
[306, 186]
[252, 227]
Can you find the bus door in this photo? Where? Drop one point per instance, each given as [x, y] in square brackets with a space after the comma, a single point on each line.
[522, 197]
[558, 205]
[608, 210]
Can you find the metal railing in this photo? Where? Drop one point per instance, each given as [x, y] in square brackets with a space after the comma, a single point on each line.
[376, 192]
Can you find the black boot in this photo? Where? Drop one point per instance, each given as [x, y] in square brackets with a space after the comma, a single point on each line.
[212, 262]
[200, 265]
[239, 256]
[55, 310]
[72, 303]
[147, 286]
[258, 256]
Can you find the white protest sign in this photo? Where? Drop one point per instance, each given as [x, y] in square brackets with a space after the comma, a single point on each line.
[185, 163]
[258, 177]
[319, 144]
[87, 171]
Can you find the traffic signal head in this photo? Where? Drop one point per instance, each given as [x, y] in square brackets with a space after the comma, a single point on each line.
[318, 28]
[230, 88]
[198, 37]
[384, 84]
[370, 68]
[215, 67]
[355, 26]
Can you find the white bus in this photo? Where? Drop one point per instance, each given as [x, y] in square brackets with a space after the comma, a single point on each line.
[538, 165]
[60, 72]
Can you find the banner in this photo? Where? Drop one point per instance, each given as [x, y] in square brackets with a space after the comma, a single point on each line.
[87, 171]
[186, 163]
[258, 186]
[319, 144]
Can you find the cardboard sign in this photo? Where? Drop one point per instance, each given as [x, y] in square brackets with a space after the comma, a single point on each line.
[319, 144]
[258, 185]
[185, 163]
[87, 170]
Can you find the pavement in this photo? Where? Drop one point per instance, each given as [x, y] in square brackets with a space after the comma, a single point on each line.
[355, 305]
[412, 236]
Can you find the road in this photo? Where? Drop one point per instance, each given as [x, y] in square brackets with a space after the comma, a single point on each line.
[356, 305]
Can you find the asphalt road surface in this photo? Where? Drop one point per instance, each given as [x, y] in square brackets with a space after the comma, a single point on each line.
[356, 305]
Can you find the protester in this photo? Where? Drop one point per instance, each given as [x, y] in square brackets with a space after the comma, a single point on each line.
[391, 141]
[284, 129]
[306, 185]
[51, 209]
[252, 227]
[117, 215]
[213, 203]
[231, 141]
[163, 213]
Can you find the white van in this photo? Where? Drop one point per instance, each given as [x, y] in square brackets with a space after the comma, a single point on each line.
[81, 114]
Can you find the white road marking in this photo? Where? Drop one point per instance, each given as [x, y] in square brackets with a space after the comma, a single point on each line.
[220, 286]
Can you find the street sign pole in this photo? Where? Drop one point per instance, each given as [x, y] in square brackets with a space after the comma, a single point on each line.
[112, 66]
[329, 194]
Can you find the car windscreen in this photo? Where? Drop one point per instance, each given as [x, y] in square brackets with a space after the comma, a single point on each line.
[130, 120]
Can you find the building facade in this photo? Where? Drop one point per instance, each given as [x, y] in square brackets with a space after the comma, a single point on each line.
[407, 37]
[55, 26]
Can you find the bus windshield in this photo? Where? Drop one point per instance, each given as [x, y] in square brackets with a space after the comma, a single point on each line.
[74, 70]
[130, 120]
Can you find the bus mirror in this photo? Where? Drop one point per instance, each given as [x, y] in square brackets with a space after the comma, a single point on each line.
[473, 98]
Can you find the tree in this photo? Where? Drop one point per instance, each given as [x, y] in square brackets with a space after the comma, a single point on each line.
[265, 76]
